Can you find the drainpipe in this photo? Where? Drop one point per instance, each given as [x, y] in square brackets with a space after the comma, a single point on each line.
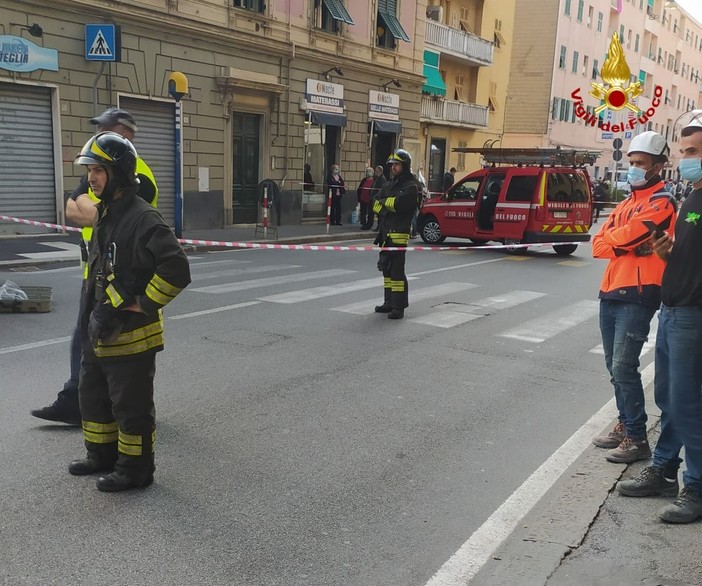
[95, 91]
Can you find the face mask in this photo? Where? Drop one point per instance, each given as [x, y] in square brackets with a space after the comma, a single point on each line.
[691, 170]
[636, 176]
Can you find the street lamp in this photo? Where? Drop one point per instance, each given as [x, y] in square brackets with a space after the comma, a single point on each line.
[395, 82]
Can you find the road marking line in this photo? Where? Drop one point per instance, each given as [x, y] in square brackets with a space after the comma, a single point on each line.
[49, 342]
[457, 314]
[326, 291]
[65, 250]
[214, 310]
[218, 262]
[244, 271]
[367, 307]
[463, 266]
[268, 281]
[474, 553]
[548, 325]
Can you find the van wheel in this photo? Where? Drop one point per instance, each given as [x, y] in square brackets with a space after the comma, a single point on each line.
[565, 249]
[431, 231]
[511, 249]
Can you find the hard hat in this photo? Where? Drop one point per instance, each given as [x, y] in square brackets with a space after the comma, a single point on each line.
[649, 142]
[691, 119]
[114, 152]
[401, 156]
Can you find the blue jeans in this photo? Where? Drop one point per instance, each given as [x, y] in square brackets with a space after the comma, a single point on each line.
[678, 391]
[625, 328]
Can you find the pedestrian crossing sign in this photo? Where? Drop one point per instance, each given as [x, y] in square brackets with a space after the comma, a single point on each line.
[103, 42]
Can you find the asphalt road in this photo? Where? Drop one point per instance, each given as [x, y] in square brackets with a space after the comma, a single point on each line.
[303, 439]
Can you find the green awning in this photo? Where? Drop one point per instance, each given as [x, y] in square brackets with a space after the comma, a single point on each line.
[435, 83]
[388, 12]
[338, 11]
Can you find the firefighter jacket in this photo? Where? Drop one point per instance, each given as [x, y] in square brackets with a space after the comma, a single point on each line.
[395, 204]
[134, 258]
[634, 272]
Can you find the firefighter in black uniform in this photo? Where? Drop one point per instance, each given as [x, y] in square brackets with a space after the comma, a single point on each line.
[136, 266]
[395, 204]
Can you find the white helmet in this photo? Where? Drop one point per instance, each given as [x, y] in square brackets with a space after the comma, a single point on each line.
[691, 119]
[649, 142]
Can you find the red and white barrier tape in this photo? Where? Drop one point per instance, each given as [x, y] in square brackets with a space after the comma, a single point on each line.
[317, 247]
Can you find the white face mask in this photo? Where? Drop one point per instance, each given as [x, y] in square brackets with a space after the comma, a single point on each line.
[636, 176]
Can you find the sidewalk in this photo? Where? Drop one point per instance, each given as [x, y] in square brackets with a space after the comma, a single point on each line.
[584, 533]
[38, 249]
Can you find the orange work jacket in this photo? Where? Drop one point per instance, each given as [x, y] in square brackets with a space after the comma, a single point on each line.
[634, 272]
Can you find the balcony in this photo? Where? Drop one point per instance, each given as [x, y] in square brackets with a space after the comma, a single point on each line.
[455, 42]
[451, 113]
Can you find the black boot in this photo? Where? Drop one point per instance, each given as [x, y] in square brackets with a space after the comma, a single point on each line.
[116, 482]
[396, 314]
[383, 308]
[90, 466]
[60, 411]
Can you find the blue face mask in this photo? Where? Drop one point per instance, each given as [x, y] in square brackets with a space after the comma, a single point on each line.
[691, 170]
[636, 176]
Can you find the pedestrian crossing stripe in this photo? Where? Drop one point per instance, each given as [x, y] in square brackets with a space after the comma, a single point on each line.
[100, 46]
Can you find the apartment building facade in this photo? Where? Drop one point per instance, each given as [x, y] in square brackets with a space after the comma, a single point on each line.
[553, 74]
[467, 55]
[273, 87]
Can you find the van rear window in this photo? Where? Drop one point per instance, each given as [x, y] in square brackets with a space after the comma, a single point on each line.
[521, 187]
[567, 187]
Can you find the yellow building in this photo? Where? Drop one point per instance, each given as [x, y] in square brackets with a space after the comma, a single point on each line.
[467, 55]
[274, 86]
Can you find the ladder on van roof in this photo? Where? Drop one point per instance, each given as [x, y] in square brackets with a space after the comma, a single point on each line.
[557, 157]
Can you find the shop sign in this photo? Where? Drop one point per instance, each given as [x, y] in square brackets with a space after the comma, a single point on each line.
[323, 96]
[18, 54]
[383, 106]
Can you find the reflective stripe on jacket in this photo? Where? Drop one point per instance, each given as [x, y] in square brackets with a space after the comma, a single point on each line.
[634, 272]
[141, 262]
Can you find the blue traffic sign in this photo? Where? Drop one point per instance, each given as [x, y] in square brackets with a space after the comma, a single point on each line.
[102, 42]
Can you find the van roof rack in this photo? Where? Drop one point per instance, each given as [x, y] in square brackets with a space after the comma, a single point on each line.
[545, 157]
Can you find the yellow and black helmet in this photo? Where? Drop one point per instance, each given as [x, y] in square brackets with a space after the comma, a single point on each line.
[114, 152]
[401, 156]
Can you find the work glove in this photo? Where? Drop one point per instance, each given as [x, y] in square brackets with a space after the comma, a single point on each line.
[101, 322]
[377, 207]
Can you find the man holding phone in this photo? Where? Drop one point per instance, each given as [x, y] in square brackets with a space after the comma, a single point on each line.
[630, 292]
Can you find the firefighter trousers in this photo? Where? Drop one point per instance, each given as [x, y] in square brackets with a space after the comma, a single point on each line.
[117, 406]
[394, 279]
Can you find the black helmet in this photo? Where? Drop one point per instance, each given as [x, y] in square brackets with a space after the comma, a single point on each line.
[116, 154]
[401, 156]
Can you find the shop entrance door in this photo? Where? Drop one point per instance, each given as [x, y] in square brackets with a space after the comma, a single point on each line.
[437, 162]
[382, 147]
[246, 130]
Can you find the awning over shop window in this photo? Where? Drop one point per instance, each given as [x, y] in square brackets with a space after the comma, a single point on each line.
[388, 11]
[435, 83]
[338, 11]
[389, 126]
[327, 118]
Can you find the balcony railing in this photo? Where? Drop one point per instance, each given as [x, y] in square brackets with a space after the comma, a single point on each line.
[453, 113]
[457, 42]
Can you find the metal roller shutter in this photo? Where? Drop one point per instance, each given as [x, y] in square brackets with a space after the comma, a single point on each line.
[155, 142]
[27, 182]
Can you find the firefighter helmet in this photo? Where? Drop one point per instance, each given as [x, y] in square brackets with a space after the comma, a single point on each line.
[403, 157]
[116, 154]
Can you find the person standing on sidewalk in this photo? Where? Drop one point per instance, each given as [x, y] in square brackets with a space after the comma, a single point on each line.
[630, 290]
[136, 267]
[364, 193]
[81, 210]
[678, 379]
[395, 206]
[378, 181]
[335, 184]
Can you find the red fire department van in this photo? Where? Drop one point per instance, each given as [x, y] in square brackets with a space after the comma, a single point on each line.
[523, 196]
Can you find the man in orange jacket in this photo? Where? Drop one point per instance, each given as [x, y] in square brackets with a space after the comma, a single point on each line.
[630, 292]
